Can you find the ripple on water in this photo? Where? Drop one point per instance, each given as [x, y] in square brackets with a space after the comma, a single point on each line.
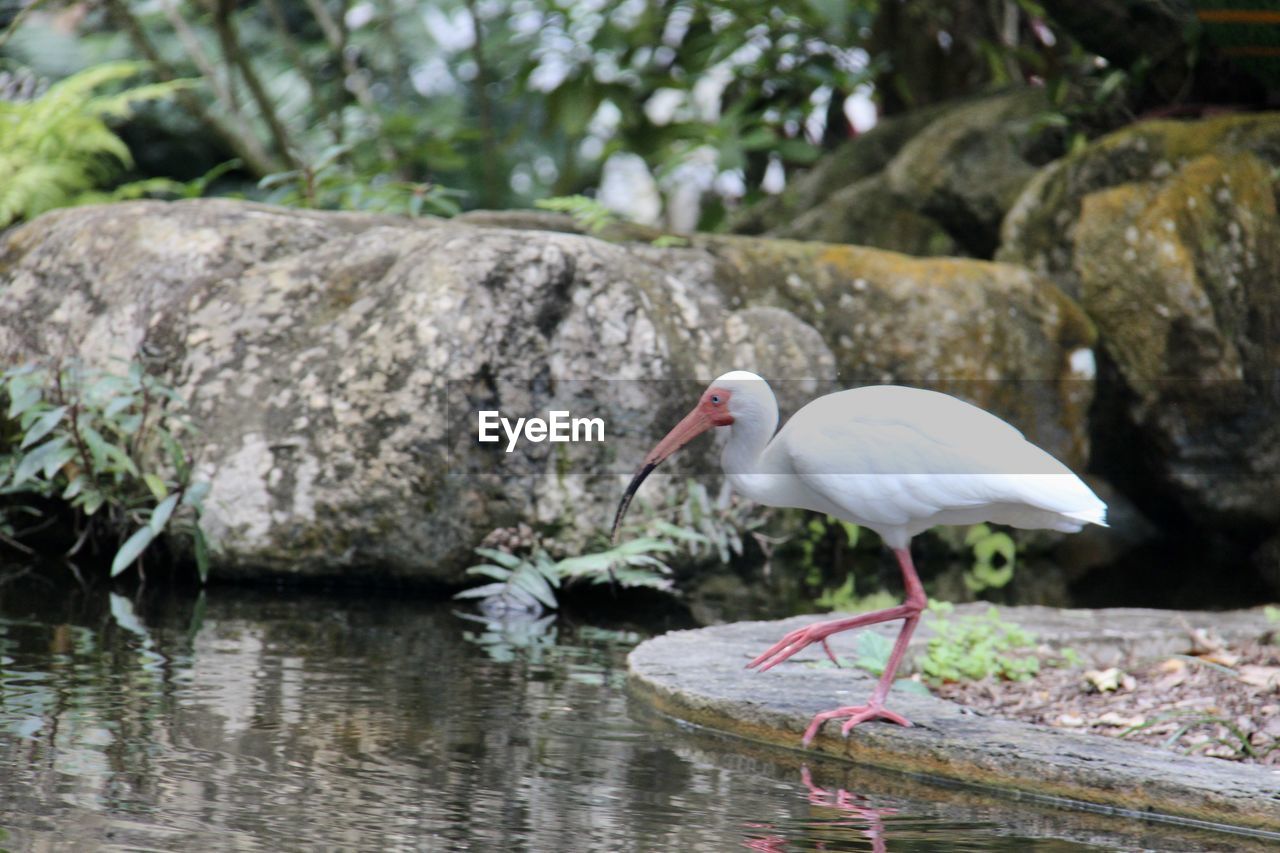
[292, 721]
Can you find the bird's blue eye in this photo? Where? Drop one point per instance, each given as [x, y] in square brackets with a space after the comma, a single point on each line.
[715, 399]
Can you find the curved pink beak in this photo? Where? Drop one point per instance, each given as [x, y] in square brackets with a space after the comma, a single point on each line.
[690, 427]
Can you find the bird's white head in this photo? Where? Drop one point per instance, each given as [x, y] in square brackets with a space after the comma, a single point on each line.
[738, 395]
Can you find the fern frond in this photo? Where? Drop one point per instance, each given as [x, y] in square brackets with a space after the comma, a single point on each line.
[56, 150]
[520, 585]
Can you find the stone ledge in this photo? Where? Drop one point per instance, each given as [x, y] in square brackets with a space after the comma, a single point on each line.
[699, 676]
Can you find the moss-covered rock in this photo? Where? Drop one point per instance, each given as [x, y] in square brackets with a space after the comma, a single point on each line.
[1039, 229]
[869, 213]
[994, 334]
[967, 167]
[1181, 275]
[335, 364]
[859, 158]
[933, 182]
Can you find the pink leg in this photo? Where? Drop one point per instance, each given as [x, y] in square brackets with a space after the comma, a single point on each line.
[909, 611]
[801, 638]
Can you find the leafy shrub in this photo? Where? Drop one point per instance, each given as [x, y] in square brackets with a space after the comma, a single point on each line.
[704, 526]
[57, 149]
[332, 183]
[528, 584]
[587, 213]
[80, 435]
[970, 648]
[691, 523]
[987, 545]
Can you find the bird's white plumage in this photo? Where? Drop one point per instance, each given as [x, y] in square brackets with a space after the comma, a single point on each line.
[899, 461]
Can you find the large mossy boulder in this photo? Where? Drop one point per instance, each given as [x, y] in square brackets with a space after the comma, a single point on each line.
[1039, 229]
[1182, 277]
[932, 182]
[1168, 234]
[861, 157]
[334, 364]
[994, 334]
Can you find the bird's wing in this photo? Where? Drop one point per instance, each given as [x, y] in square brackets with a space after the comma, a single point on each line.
[887, 455]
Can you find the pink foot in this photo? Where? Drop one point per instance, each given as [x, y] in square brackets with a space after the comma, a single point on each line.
[856, 714]
[794, 642]
[802, 638]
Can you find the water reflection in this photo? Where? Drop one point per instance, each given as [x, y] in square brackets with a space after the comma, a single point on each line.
[265, 720]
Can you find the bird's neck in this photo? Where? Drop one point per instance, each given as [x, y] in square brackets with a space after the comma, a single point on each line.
[741, 457]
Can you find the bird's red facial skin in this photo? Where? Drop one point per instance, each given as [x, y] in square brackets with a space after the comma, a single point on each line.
[715, 405]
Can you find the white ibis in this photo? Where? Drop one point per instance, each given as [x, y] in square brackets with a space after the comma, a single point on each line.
[892, 459]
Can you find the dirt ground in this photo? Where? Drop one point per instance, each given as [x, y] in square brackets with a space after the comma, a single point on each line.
[1222, 700]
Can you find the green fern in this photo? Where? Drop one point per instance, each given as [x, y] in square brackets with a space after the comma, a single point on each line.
[587, 213]
[630, 564]
[519, 584]
[529, 584]
[57, 150]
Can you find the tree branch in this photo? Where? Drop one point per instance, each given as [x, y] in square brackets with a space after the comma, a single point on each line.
[17, 21]
[332, 118]
[336, 34]
[225, 26]
[244, 145]
[489, 153]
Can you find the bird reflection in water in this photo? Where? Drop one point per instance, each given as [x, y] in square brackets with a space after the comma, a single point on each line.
[867, 820]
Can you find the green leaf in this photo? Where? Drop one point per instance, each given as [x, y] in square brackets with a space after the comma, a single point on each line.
[798, 151]
[684, 534]
[117, 405]
[74, 488]
[537, 586]
[131, 549]
[43, 426]
[22, 399]
[160, 515]
[104, 452]
[502, 558]
[486, 591]
[54, 453]
[93, 501]
[202, 557]
[156, 485]
[498, 573]
[197, 616]
[195, 494]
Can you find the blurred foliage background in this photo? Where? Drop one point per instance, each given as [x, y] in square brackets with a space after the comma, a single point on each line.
[678, 111]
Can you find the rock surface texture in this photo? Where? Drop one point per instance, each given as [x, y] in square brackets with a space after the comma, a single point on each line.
[698, 676]
[334, 363]
[1168, 234]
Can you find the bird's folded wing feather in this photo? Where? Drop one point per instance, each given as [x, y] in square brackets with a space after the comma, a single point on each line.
[920, 453]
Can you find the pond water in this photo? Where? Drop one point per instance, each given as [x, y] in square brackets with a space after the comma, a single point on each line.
[270, 719]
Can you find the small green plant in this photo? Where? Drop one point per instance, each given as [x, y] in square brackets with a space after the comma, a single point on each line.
[704, 526]
[690, 522]
[988, 545]
[58, 150]
[871, 653]
[845, 599]
[815, 532]
[79, 436]
[332, 183]
[587, 213]
[528, 584]
[969, 648]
